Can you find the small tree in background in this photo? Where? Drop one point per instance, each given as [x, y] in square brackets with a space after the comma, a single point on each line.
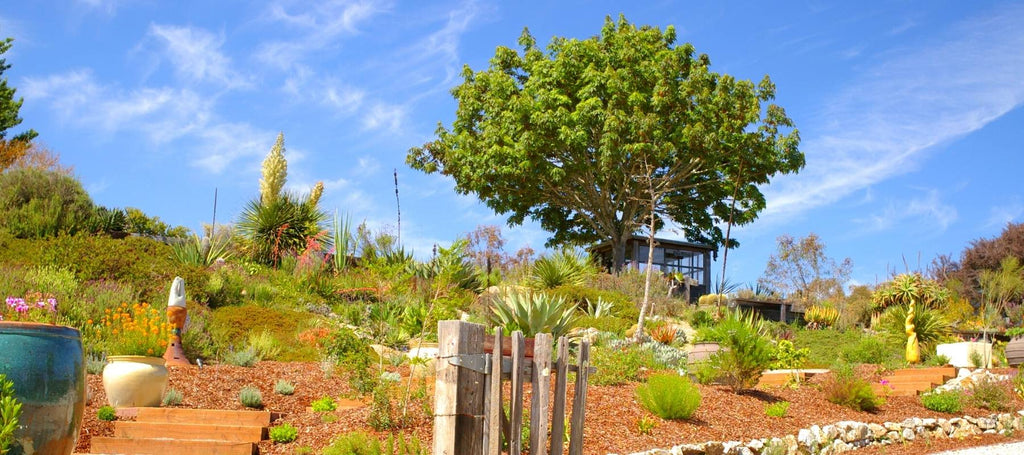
[802, 271]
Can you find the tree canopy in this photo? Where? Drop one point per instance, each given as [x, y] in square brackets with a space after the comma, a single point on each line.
[565, 136]
[802, 271]
[9, 106]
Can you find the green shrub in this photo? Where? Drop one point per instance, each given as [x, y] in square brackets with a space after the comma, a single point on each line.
[706, 373]
[265, 345]
[777, 409]
[872, 349]
[990, 394]
[701, 318]
[172, 398]
[242, 358]
[937, 360]
[622, 306]
[10, 411]
[232, 326]
[977, 360]
[325, 404]
[619, 365]
[746, 351]
[669, 396]
[283, 433]
[355, 443]
[610, 324]
[381, 416]
[272, 229]
[788, 357]
[36, 203]
[533, 313]
[250, 397]
[282, 387]
[845, 388]
[949, 401]
[1018, 382]
[107, 413]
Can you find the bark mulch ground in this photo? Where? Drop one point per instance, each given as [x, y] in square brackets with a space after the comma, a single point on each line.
[611, 421]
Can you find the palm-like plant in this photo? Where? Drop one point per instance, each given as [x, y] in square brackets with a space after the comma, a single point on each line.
[533, 313]
[565, 267]
[283, 225]
[929, 325]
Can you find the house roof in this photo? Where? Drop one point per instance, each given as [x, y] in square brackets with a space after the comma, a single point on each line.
[661, 242]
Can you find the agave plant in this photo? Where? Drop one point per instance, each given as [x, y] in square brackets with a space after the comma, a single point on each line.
[533, 313]
[562, 268]
[821, 316]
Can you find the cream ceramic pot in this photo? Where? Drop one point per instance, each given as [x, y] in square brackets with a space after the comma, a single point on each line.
[134, 380]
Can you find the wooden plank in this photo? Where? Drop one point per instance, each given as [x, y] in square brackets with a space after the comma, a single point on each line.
[205, 416]
[541, 394]
[515, 442]
[165, 446]
[494, 416]
[579, 402]
[458, 396]
[188, 431]
[561, 380]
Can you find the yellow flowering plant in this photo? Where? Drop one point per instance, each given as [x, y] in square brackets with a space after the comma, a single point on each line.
[137, 329]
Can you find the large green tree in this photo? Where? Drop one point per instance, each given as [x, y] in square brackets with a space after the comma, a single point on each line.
[9, 106]
[572, 137]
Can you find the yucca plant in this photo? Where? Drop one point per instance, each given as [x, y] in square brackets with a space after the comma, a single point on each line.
[563, 268]
[344, 242]
[533, 313]
[930, 325]
[821, 316]
[203, 251]
[283, 225]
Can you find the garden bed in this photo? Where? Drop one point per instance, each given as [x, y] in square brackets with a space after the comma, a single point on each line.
[612, 411]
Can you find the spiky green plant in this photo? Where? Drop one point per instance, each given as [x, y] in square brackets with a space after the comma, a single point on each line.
[282, 226]
[203, 251]
[563, 268]
[930, 325]
[344, 244]
[533, 313]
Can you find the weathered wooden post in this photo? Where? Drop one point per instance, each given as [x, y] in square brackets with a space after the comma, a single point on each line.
[458, 396]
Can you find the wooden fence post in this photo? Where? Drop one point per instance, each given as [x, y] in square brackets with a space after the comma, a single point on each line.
[541, 393]
[515, 441]
[494, 414]
[458, 395]
[561, 379]
[580, 400]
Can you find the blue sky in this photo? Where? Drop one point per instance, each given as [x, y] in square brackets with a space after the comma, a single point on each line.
[909, 111]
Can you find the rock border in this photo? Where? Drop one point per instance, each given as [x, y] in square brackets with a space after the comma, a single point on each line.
[850, 435]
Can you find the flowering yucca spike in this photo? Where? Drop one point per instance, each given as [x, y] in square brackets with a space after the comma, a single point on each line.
[275, 172]
[315, 193]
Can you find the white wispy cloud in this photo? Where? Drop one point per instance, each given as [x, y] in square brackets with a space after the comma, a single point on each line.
[162, 115]
[883, 125]
[928, 210]
[320, 25]
[385, 116]
[304, 84]
[1006, 213]
[433, 59]
[108, 7]
[196, 55]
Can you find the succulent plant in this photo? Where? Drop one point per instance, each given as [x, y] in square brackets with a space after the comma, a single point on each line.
[533, 313]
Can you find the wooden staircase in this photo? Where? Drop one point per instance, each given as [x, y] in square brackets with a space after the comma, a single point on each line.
[913, 381]
[175, 430]
[779, 378]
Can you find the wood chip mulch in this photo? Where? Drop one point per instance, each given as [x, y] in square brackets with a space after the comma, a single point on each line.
[611, 420]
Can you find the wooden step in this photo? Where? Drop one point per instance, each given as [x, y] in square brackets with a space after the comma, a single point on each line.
[780, 379]
[167, 446]
[204, 416]
[903, 389]
[946, 372]
[918, 378]
[189, 431]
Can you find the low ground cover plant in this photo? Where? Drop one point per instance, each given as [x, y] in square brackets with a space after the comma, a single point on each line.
[359, 443]
[283, 433]
[325, 404]
[777, 409]
[669, 396]
[172, 398]
[282, 387]
[990, 394]
[949, 401]
[250, 397]
[107, 413]
[845, 388]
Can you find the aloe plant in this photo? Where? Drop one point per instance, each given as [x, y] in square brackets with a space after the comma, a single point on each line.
[533, 313]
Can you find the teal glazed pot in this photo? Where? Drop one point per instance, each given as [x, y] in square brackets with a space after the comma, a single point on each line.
[47, 366]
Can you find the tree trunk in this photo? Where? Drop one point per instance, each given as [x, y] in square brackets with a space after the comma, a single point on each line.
[647, 283]
[618, 254]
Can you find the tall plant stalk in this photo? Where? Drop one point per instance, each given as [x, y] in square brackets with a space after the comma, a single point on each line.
[343, 241]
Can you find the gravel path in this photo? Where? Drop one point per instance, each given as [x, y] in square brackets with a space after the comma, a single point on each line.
[1012, 448]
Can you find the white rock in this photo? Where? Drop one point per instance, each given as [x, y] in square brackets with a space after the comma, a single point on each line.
[908, 434]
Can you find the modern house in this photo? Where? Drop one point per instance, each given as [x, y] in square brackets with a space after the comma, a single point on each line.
[693, 260]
